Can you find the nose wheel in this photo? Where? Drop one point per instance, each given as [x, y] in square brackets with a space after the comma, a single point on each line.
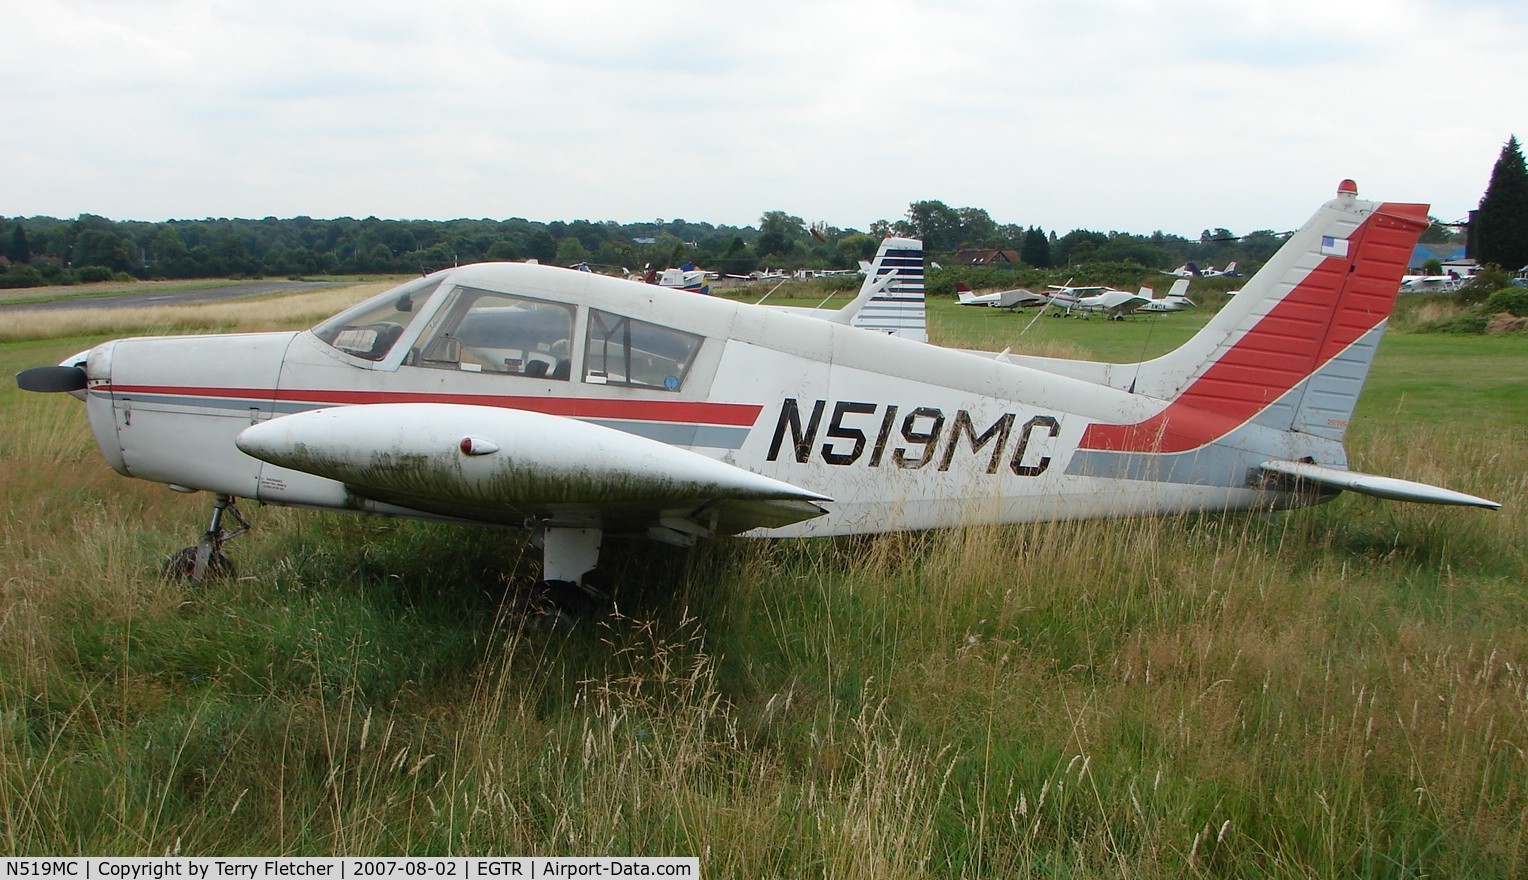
[205, 560]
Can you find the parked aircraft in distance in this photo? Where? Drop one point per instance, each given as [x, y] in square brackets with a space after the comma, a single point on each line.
[1453, 277]
[1176, 299]
[580, 407]
[687, 278]
[1189, 270]
[1001, 299]
[1085, 301]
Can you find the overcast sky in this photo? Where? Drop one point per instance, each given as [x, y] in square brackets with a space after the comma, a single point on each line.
[1175, 115]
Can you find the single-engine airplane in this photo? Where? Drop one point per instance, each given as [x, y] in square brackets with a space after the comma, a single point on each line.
[1176, 299]
[1017, 298]
[580, 407]
[1086, 301]
[1190, 270]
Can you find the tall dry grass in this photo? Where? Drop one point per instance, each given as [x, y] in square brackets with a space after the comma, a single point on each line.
[1335, 691]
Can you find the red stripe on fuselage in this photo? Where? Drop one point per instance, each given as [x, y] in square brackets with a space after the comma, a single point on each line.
[1301, 333]
[699, 413]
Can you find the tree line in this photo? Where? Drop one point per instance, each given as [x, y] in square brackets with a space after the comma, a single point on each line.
[47, 250]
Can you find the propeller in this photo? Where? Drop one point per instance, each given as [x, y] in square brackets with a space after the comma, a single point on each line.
[46, 380]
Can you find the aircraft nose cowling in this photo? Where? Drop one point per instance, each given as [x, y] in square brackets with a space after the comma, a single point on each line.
[425, 454]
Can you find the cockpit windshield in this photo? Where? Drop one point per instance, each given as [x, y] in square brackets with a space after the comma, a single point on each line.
[371, 328]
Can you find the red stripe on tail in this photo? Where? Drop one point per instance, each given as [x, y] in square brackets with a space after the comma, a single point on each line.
[1342, 299]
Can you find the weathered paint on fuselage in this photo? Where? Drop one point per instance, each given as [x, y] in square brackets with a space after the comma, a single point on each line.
[902, 435]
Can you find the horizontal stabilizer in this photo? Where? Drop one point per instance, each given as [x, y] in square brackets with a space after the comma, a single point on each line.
[1369, 484]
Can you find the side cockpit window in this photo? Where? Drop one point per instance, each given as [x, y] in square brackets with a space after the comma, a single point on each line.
[371, 329]
[625, 351]
[486, 332]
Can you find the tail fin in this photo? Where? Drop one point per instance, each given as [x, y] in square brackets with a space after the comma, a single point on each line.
[897, 309]
[1293, 349]
[1179, 288]
[963, 293]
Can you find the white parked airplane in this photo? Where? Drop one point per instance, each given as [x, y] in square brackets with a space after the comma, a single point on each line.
[1447, 283]
[1189, 270]
[1001, 299]
[579, 407]
[1176, 299]
[1115, 304]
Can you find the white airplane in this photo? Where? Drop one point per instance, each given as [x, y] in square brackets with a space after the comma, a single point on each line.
[687, 278]
[1446, 283]
[1176, 299]
[580, 407]
[1001, 299]
[1189, 270]
[762, 275]
[1085, 301]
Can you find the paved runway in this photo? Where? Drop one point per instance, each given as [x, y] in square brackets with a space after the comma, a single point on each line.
[131, 300]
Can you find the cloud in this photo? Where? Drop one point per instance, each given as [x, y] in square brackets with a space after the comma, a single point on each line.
[1105, 115]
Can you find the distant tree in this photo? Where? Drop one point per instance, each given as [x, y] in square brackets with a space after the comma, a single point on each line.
[102, 247]
[503, 251]
[1037, 250]
[858, 246]
[541, 246]
[976, 228]
[1077, 246]
[378, 259]
[571, 251]
[1257, 247]
[937, 224]
[1125, 248]
[171, 257]
[1437, 233]
[779, 232]
[18, 250]
[737, 259]
[1501, 225]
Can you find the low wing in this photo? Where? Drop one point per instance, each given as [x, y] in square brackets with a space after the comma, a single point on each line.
[512, 467]
[1370, 484]
[1117, 305]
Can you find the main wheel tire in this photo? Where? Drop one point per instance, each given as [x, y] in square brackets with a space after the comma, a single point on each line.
[181, 566]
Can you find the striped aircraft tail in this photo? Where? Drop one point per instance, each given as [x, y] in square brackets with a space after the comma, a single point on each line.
[897, 307]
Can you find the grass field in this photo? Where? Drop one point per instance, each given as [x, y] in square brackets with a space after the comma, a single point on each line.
[1333, 692]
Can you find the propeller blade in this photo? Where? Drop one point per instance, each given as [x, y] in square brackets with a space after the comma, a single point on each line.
[46, 380]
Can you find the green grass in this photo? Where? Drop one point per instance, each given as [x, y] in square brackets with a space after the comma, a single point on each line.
[1339, 691]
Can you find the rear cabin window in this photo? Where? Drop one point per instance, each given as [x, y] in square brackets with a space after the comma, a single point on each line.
[486, 332]
[625, 351]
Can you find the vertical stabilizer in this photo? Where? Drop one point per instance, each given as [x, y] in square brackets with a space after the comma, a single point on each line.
[1292, 350]
[898, 308]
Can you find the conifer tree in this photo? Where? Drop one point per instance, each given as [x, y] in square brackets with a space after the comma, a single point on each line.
[1037, 250]
[18, 250]
[1501, 225]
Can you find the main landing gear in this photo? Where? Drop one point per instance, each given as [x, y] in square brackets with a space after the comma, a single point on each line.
[206, 560]
[568, 556]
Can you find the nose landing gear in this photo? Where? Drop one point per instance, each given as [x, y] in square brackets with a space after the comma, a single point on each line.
[206, 560]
